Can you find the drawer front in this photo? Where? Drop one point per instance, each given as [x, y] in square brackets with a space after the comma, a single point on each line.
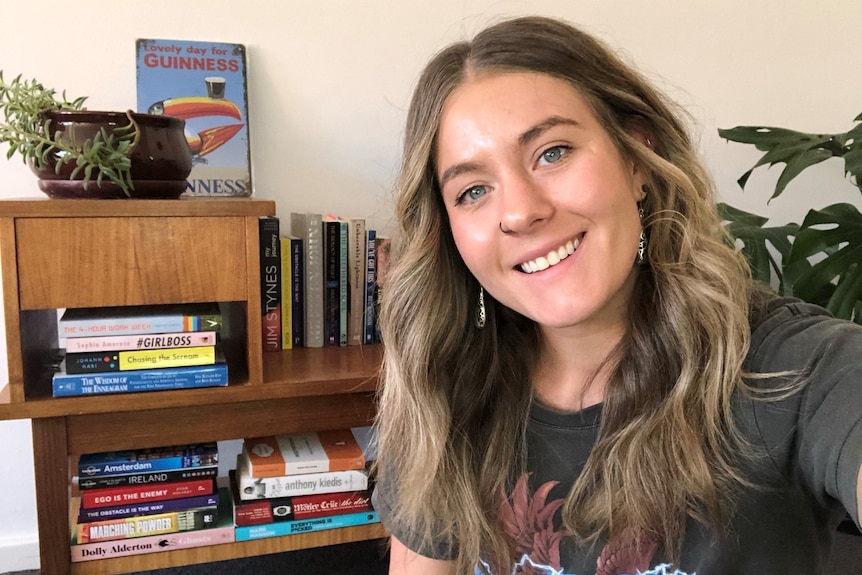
[87, 262]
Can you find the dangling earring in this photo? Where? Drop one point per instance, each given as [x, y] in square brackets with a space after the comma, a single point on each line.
[480, 309]
[643, 241]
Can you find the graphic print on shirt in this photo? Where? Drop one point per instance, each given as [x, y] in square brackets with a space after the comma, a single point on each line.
[532, 522]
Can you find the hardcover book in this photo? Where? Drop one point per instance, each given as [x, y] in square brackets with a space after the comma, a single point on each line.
[103, 513]
[64, 384]
[205, 84]
[143, 525]
[222, 532]
[290, 485]
[270, 283]
[295, 453]
[332, 282]
[262, 511]
[114, 496]
[139, 320]
[149, 460]
[309, 227]
[145, 478]
[128, 342]
[305, 525]
[96, 362]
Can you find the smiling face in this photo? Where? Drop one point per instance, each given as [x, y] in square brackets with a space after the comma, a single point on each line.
[543, 208]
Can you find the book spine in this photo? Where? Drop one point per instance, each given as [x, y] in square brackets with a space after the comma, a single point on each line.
[66, 385]
[153, 544]
[356, 268]
[114, 496]
[289, 485]
[369, 316]
[331, 295]
[95, 362]
[105, 513]
[305, 525]
[286, 270]
[270, 283]
[147, 478]
[141, 526]
[303, 453]
[148, 460]
[310, 228]
[263, 511]
[122, 343]
[298, 291]
[343, 287]
[144, 325]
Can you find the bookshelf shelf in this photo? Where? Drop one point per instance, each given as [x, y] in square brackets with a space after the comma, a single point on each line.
[81, 253]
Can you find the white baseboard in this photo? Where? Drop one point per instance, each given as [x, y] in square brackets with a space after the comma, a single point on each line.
[19, 553]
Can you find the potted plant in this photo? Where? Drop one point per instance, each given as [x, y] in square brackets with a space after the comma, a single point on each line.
[80, 153]
[820, 260]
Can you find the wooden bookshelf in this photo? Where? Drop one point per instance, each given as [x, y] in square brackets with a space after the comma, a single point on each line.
[91, 253]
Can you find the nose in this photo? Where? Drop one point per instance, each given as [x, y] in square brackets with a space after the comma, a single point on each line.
[525, 204]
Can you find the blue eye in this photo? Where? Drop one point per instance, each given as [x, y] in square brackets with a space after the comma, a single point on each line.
[553, 155]
[471, 195]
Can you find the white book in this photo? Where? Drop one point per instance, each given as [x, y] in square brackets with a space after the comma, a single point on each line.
[251, 488]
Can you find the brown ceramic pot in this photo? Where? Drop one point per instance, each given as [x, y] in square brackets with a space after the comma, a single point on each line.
[160, 156]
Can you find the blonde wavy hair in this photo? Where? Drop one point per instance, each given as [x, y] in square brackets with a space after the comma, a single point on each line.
[454, 400]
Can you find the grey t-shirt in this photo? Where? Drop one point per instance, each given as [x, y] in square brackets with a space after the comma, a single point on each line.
[812, 452]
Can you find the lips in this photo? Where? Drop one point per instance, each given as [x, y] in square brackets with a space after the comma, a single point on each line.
[552, 258]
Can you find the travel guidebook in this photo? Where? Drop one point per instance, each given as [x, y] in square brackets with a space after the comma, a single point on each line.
[203, 83]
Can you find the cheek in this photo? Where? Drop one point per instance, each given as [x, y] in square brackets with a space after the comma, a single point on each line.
[472, 241]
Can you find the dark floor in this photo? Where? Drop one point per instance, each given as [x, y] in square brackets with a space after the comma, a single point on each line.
[368, 558]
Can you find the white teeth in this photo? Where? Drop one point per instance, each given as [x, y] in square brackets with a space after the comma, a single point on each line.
[553, 258]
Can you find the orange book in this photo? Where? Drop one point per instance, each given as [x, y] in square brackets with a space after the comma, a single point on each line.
[295, 453]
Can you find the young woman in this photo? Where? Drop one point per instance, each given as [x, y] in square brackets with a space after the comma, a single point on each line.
[579, 375]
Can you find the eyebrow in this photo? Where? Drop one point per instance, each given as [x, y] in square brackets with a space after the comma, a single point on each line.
[523, 140]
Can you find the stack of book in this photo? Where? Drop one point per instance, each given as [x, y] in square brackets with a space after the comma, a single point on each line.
[320, 281]
[296, 483]
[146, 500]
[139, 348]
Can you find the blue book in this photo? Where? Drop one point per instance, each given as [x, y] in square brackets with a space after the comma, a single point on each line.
[131, 510]
[165, 458]
[250, 532]
[65, 385]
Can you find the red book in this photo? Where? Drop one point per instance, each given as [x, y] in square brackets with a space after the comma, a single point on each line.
[111, 496]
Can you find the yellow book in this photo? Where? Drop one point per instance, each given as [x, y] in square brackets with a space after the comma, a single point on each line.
[286, 295]
[174, 357]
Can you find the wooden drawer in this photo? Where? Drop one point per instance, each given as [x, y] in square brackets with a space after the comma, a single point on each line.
[110, 261]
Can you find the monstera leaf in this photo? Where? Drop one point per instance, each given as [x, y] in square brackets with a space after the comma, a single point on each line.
[821, 260]
[760, 244]
[832, 237]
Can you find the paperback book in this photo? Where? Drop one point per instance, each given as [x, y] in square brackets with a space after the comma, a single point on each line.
[311, 452]
[151, 459]
[139, 320]
[131, 342]
[143, 525]
[114, 496]
[270, 282]
[305, 525]
[145, 478]
[205, 84]
[291, 485]
[221, 532]
[65, 384]
[130, 360]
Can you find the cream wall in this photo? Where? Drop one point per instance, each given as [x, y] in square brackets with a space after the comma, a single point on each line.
[329, 84]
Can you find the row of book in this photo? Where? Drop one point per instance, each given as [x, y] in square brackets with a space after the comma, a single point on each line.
[139, 348]
[320, 281]
[144, 501]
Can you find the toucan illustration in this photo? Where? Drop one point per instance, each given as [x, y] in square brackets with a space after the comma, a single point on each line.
[187, 107]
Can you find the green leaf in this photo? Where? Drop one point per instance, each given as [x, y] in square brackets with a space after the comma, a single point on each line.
[797, 165]
[824, 263]
[760, 244]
